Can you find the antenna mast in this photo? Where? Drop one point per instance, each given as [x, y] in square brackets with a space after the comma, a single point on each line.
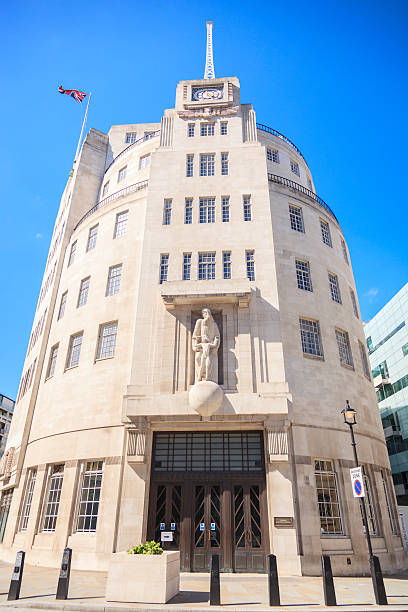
[209, 62]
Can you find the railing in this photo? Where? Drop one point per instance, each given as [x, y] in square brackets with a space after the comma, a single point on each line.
[281, 180]
[270, 130]
[143, 139]
[114, 196]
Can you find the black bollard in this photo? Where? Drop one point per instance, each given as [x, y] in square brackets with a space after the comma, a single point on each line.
[378, 582]
[215, 598]
[328, 584]
[17, 577]
[273, 582]
[65, 572]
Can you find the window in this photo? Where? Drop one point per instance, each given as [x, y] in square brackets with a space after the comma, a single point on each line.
[207, 210]
[52, 361]
[328, 498]
[309, 183]
[186, 266]
[272, 155]
[206, 266]
[121, 224]
[72, 253]
[354, 302]
[364, 360]
[189, 165]
[343, 344]
[381, 370]
[296, 218]
[130, 137]
[105, 189]
[167, 212]
[5, 503]
[188, 211]
[390, 504]
[144, 161]
[53, 498]
[122, 174]
[310, 336]
[405, 350]
[114, 278]
[372, 523]
[224, 163]
[107, 340]
[207, 129]
[148, 135]
[250, 264]
[246, 200]
[344, 249]
[93, 232]
[304, 279]
[74, 350]
[190, 130]
[224, 128]
[294, 167]
[324, 226]
[164, 268]
[89, 497]
[225, 206]
[62, 305]
[207, 164]
[226, 264]
[83, 292]
[28, 498]
[334, 288]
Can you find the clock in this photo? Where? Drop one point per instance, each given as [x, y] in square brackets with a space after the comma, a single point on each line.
[207, 93]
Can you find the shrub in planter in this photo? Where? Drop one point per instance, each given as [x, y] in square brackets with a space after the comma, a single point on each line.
[150, 548]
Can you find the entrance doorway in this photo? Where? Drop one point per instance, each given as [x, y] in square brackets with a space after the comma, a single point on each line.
[213, 511]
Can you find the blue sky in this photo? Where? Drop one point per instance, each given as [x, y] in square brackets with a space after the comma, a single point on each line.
[330, 75]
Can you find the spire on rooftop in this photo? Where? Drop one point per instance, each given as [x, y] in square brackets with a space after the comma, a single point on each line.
[209, 62]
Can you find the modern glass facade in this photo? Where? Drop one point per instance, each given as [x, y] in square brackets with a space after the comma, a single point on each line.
[6, 414]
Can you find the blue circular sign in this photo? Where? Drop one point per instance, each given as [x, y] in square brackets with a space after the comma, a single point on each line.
[357, 487]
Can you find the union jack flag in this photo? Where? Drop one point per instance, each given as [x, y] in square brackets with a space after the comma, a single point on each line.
[74, 93]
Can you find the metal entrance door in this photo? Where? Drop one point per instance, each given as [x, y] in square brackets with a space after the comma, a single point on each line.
[207, 527]
[249, 546]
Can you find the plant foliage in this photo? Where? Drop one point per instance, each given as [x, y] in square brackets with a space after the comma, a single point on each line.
[150, 548]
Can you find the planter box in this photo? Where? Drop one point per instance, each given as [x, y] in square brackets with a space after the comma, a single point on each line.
[143, 578]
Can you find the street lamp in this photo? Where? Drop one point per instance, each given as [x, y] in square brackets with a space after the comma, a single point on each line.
[349, 415]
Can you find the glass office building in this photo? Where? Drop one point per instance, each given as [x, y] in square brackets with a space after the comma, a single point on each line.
[6, 414]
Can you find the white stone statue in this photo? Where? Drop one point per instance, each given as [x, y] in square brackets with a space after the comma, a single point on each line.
[206, 340]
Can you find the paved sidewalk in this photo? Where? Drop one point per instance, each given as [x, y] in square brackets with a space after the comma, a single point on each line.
[238, 592]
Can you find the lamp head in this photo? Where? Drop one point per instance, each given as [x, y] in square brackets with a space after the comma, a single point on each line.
[349, 414]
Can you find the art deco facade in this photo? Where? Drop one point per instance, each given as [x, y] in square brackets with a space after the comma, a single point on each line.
[157, 221]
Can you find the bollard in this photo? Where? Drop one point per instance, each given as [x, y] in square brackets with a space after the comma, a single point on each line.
[378, 582]
[65, 571]
[328, 584]
[16, 577]
[273, 582]
[215, 599]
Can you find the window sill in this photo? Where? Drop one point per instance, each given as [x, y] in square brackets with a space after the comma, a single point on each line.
[318, 357]
[48, 378]
[347, 366]
[335, 536]
[71, 368]
[104, 358]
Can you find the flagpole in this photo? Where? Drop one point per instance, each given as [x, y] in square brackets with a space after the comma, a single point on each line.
[83, 127]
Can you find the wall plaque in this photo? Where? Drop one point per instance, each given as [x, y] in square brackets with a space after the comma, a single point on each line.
[283, 521]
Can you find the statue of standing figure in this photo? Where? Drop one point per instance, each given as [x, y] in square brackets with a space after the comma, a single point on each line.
[206, 340]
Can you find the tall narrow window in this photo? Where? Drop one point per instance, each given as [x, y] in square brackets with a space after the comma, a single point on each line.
[224, 163]
[310, 336]
[83, 292]
[190, 130]
[207, 210]
[144, 161]
[74, 350]
[207, 164]
[294, 167]
[62, 305]
[364, 360]
[226, 264]
[296, 218]
[304, 279]
[250, 264]
[309, 183]
[224, 128]
[343, 344]
[207, 129]
[328, 498]
[334, 288]
[390, 504]
[93, 233]
[167, 211]
[5, 503]
[247, 206]
[121, 224]
[344, 249]
[28, 498]
[225, 206]
[188, 211]
[189, 165]
[272, 155]
[72, 253]
[52, 361]
[186, 266]
[354, 302]
[206, 266]
[53, 497]
[164, 267]
[114, 278]
[122, 174]
[326, 237]
[105, 189]
[372, 523]
[107, 340]
[89, 497]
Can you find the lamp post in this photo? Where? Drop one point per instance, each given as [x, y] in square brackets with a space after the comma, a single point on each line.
[349, 415]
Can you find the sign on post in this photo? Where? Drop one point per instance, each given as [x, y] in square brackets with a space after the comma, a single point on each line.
[357, 481]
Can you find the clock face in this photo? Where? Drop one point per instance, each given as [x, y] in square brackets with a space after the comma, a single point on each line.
[208, 93]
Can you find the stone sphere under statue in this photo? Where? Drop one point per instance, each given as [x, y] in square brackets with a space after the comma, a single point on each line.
[205, 397]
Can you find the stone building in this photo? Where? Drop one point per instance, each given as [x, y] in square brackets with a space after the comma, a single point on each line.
[110, 444]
